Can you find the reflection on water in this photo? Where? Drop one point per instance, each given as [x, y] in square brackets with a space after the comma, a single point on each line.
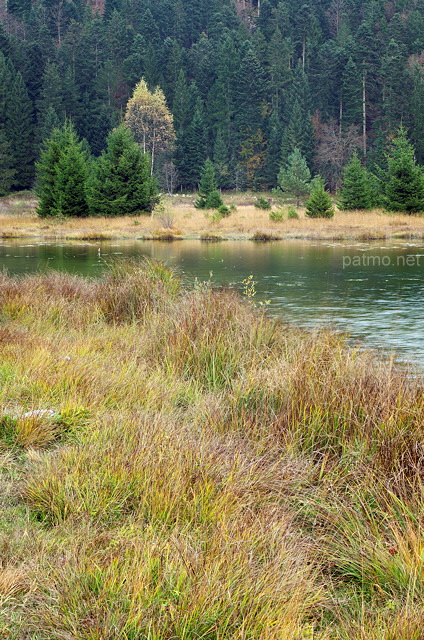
[375, 291]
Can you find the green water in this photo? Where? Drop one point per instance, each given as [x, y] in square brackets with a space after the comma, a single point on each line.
[372, 290]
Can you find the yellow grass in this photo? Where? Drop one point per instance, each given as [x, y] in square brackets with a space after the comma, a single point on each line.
[207, 472]
[18, 219]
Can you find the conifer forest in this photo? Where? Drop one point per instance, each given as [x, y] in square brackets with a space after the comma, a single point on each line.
[242, 83]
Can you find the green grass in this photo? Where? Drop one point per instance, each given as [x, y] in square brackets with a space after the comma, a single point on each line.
[194, 469]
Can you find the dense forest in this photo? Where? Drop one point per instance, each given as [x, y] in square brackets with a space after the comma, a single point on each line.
[246, 82]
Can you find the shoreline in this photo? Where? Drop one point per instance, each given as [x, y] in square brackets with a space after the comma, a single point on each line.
[18, 220]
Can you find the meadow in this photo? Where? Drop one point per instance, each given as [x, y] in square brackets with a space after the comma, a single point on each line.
[18, 219]
[174, 464]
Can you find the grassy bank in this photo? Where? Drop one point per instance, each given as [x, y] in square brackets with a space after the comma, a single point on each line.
[175, 465]
[18, 219]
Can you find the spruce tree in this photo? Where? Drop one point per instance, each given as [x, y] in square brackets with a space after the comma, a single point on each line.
[20, 133]
[191, 149]
[319, 204]
[355, 192]
[220, 158]
[351, 94]
[295, 179]
[416, 110]
[71, 181]
[122, 184]
[297, 134]
[51, 98]
[209, 197]
[249, 93]
[7, 171]
[62, 175]
[272, 162]
[404, 189]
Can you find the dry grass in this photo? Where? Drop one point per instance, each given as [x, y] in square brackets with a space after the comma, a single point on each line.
[176, 465]
[18, 219]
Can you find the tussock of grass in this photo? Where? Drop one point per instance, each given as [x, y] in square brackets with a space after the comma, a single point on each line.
[263, 236]
[174, 464]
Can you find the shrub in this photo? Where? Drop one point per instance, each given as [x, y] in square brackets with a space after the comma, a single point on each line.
[224, 210]
[164, 214]
[292, 214]
[276, 216]
[262, 203]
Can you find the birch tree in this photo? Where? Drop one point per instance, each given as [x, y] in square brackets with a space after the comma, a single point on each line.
[149, 119]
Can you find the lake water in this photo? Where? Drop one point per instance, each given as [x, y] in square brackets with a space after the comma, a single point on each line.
[373, 290]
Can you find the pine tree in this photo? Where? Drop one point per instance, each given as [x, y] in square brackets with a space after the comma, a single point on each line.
[319, 204]
[62, 175]
[404, 189]
[355, 192]
[295, 179]
[122, 184]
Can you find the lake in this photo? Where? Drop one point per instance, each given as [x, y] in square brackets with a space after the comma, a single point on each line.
[372, 290]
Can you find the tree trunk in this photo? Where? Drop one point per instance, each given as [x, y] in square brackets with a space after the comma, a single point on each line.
[364, 115]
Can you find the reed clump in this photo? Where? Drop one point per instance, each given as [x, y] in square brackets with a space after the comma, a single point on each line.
[176, 464]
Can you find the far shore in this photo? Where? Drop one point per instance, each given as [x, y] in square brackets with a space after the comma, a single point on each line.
[18, 219]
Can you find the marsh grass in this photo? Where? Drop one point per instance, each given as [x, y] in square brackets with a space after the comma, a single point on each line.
[175, 464]
[18, 220]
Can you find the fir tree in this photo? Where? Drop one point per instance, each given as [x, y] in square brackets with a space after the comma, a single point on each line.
[355, 192]
[122, 184]
[319, 204]
[404, 189]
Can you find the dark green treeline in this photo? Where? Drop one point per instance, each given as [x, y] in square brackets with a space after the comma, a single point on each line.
[324, 76]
